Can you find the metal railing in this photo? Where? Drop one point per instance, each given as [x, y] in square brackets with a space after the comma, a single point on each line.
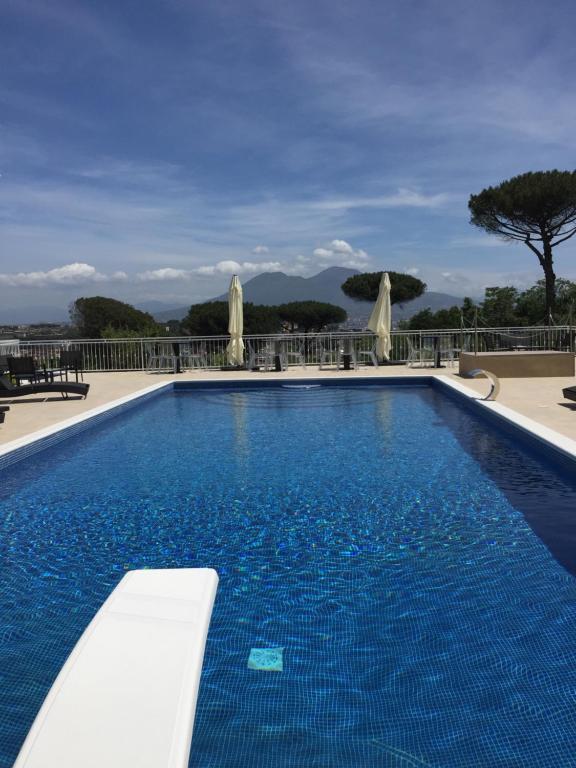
[407, 346]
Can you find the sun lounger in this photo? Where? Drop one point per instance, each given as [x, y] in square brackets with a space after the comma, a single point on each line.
[126, 696]
[65, 388]
[3, 409]
[569, 393]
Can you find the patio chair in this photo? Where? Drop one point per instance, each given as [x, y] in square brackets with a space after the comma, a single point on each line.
[261, 355]
[193, 355]
[421, 354]
[335, 352]
[289, 353]
[24, 369]
[413, 353]
[9, 391]
[346, 353]
[436, 349]
[72, 360]
[368, 354]
[326, 353]
[3, 409]
[160, 356]
[569, 393]
[448, 350]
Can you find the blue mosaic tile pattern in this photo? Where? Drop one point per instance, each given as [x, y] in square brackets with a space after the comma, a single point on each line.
[388, 541]
[43, 443]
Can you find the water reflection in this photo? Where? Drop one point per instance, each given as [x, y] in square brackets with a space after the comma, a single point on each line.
[384, 416]
[241, 440]
[542, 491]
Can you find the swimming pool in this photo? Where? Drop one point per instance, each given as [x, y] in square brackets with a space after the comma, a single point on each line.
[414, 564]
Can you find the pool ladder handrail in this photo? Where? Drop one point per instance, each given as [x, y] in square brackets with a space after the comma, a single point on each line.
[492, 378]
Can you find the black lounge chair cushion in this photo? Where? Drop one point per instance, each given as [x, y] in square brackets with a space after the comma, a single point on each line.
[3, 409]
[65, 388]
[25, 368]
[569, 393]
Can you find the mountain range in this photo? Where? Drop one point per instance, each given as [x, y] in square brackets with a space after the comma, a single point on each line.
[278, 288]
[267, 288]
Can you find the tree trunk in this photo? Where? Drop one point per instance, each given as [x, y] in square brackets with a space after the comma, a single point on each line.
[550, 278]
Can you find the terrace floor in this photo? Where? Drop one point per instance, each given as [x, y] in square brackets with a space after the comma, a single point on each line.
[539, 399]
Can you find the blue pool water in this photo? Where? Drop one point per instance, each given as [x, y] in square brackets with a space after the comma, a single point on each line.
[412, 563]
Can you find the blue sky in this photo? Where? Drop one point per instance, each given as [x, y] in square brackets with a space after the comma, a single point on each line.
[149, 149]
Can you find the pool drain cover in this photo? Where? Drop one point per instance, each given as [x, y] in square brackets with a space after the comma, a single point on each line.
[266, 659]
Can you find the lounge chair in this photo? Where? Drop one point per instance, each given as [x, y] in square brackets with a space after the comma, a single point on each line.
[569, 393]
[65, 388]
[3, 409]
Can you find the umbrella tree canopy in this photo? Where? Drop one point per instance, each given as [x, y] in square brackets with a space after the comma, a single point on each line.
[235, 348]
[380, 321]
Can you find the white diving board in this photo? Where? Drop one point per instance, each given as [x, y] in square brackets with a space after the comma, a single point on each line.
[126, 696]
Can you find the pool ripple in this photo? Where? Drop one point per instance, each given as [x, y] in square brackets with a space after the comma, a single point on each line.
[423, 621]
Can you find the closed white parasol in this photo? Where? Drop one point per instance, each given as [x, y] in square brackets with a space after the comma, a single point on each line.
[235, 348]
[381, 319]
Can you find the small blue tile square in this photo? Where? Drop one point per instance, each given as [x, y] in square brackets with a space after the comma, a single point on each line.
[266, 659]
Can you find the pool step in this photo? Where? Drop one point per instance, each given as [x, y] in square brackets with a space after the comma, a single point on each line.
[126, 695]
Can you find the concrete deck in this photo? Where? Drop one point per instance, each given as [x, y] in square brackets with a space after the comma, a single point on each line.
[539, 399]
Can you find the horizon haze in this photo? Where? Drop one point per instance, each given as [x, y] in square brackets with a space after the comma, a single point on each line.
[267, 288]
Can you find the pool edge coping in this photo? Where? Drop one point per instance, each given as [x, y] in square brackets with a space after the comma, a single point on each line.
[14, 450]
[546, 436]
[19, 448]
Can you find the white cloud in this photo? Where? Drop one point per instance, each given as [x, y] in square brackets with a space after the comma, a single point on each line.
[323, 253]
[402, 198]
[239, 268]
[260, 249]
[448, 276]
[341, 246]
[70, 274]
[341, 253]
[487, 241]
[412, 271]
[457, 279]
[472, 282]
[354, 264]
[167, 273]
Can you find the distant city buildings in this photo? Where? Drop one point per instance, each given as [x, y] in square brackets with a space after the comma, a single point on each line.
[35, 331]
